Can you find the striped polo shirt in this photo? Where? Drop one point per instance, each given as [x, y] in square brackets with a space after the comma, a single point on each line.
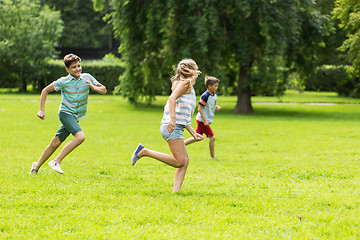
[74, 94]
[208, 101]
[185, 107]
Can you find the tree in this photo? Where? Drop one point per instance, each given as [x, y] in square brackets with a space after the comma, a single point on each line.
[313, 29]
[83, 27]
[256, 35]
[348, 11]
[329, 54]
[28, 34]
[255, 39]
[155, 35]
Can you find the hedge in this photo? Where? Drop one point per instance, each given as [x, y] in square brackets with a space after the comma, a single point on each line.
[107, 73]
[328, 78]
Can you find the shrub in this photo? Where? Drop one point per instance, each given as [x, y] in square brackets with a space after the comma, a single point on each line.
[350, 86]
[328, 78]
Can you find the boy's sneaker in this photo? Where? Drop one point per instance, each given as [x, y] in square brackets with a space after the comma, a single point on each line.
[135, 157]
[33, 170]
[215, 157]
[56, 166]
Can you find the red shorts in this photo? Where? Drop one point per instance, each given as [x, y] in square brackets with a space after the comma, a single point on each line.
[201, 129]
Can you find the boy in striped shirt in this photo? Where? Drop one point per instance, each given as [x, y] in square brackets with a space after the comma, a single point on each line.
[206, 112]
[75, 89]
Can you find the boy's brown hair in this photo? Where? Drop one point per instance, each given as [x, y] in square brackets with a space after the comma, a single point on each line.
[70, 58]
[209, 80]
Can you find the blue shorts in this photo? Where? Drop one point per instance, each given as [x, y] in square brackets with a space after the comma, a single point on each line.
[178, 132]
[69, 125]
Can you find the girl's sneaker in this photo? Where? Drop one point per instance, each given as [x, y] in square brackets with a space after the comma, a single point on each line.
[135, 156]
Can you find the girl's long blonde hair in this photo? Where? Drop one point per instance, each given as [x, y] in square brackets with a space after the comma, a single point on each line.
[184, 73]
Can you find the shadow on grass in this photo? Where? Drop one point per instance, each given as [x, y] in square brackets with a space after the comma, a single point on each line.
[140, 107]
[340, 112]
[182, 194]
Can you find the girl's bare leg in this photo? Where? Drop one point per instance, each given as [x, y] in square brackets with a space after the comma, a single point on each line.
[180, 175]
[179, 160]
[178, 150]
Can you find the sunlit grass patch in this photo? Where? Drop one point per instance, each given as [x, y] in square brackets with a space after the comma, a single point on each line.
[288, 171]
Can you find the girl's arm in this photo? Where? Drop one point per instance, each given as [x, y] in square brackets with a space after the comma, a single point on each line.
[179, 90]
[49, 88]
[196, 136]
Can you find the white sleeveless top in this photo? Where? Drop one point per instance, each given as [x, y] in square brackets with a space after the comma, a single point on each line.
[185, 107]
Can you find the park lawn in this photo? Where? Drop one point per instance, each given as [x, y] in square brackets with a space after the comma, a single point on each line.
[308, 97]
[288, 171]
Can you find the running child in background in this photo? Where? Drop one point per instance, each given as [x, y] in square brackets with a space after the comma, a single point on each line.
[206, 112]
[75, 89]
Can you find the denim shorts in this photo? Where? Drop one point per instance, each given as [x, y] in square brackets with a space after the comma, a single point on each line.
[178, 132]
[69, 125]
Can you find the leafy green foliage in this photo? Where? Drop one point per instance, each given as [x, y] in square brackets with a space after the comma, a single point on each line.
[348, 11]
[328, 54]
[329, 78]
[313, 28]
[227, 39]
[83, 27]
[155, 36]
[28, 34]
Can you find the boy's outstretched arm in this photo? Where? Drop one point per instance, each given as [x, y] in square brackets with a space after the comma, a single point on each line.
[49, 88]
[99, 88]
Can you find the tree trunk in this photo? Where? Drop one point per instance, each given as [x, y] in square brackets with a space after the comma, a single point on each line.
[23, 85]
[243, 104]
[41, 85]
[110, 42]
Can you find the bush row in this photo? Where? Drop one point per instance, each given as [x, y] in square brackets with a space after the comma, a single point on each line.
[107, 73]
[330, 78]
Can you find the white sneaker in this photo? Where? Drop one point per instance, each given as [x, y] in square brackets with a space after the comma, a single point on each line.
[56, 166]
[33, 170]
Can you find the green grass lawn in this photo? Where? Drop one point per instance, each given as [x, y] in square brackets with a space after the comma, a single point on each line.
[289, 171]
[308, 97]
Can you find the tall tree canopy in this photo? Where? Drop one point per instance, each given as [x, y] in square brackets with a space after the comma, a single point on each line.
[28, 35]
[348, 11]
[155, 35]
[250, 40]
[329, 55]
[83, 27]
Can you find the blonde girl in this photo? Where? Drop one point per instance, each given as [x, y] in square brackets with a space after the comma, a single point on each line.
[177, 116]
